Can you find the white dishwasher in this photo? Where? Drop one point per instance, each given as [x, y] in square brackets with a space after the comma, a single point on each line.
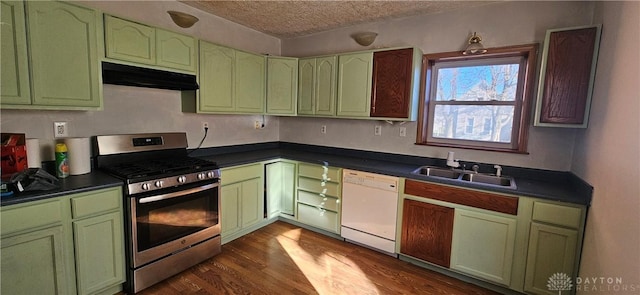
[369, 209]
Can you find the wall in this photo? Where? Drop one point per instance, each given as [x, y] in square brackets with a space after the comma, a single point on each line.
[136, 110]
[607, 153]
[499, 24]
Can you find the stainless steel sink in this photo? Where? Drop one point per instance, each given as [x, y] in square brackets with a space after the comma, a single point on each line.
[467, 176]
[489, 179]
[438, 172]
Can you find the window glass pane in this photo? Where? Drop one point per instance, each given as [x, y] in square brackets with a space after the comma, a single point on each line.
[478, 83]
[472, 122]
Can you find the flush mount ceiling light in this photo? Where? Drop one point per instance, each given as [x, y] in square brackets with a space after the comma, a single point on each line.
[474, 47]
[364, 38]
[182, 19]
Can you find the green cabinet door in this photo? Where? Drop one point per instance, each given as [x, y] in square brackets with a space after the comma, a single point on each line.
[282, 85]
[252, 202]
[99, 247]
[325, 91]
[14, 75]
[175, 51]
[317, 86]
[216, 78]
[34, 263]
[65, 64]
[354, 84]
[130, 41]
[250, 82]
[483, 245]
[230, 211]
[281, 188]
[306, 86]
[552, 250]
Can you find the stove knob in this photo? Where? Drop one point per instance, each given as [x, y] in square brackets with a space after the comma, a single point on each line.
[158, 183]
[201, 176]
[182, 179]
[145, 186]
[210, 174]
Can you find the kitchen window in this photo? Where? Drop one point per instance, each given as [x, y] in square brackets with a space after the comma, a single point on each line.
[479, 101]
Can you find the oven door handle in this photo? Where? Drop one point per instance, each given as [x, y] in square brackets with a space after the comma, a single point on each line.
[178, 194]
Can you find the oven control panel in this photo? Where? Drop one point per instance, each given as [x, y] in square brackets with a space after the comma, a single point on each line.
[171, 181]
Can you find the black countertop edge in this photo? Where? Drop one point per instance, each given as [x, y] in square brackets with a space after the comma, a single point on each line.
[70, 185]
[546, 184]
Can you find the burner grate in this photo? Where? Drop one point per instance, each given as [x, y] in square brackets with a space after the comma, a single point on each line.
[132, 170]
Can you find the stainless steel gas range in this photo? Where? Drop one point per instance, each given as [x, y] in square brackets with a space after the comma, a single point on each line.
[172, 203]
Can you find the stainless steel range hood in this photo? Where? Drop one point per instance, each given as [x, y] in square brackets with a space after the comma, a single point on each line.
[119, 74]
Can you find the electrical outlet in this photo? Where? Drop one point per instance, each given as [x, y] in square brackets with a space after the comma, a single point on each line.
[403, 131]
[60, 129]
[323, 129]
[258, 125]
[378, 130]
[205, 125]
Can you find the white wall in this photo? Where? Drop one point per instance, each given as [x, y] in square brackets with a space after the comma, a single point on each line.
[499, 24]
[607, 153]
[136, 110]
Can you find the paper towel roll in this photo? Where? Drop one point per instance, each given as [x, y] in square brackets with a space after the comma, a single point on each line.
[79, 155]
[33, 153]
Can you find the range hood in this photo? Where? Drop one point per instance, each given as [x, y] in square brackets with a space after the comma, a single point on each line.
[119, 74]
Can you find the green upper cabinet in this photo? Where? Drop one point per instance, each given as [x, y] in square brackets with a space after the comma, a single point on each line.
[15, 67]
[306, 86]
[282, 85]
[138, 43]
[231, 81]
[354, 84]
[175, 51]
[130, 41]
[250, 82]
[317, 86]
[64, 42]
[216, 78]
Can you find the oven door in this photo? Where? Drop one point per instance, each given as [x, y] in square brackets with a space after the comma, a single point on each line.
[173, 220]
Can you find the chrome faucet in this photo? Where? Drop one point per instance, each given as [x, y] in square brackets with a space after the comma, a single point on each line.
[498, 170]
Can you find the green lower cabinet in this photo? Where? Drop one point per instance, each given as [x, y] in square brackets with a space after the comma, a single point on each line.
[483, 245]
[242, 200]
[552, 250]
[99, 248]
[71, 244]
[34, 263]
[281, 188]
[242, 206]
[319, 192]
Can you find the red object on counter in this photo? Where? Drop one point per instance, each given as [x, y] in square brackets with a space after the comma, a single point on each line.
[14, 154]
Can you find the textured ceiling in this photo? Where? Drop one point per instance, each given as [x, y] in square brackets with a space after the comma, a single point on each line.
[287, 19]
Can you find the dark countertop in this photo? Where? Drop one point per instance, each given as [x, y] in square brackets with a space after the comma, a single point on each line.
[545, 184]
[69, 185]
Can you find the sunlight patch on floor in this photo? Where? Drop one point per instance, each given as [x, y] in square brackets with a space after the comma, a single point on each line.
[328, 272]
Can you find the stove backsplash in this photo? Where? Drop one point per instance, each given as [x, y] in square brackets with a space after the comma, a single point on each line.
[139, 110]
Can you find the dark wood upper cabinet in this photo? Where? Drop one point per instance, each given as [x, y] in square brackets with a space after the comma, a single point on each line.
[391, 87]
[566, 77]
[427, 231]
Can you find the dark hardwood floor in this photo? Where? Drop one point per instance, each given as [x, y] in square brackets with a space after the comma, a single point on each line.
[284, 259]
